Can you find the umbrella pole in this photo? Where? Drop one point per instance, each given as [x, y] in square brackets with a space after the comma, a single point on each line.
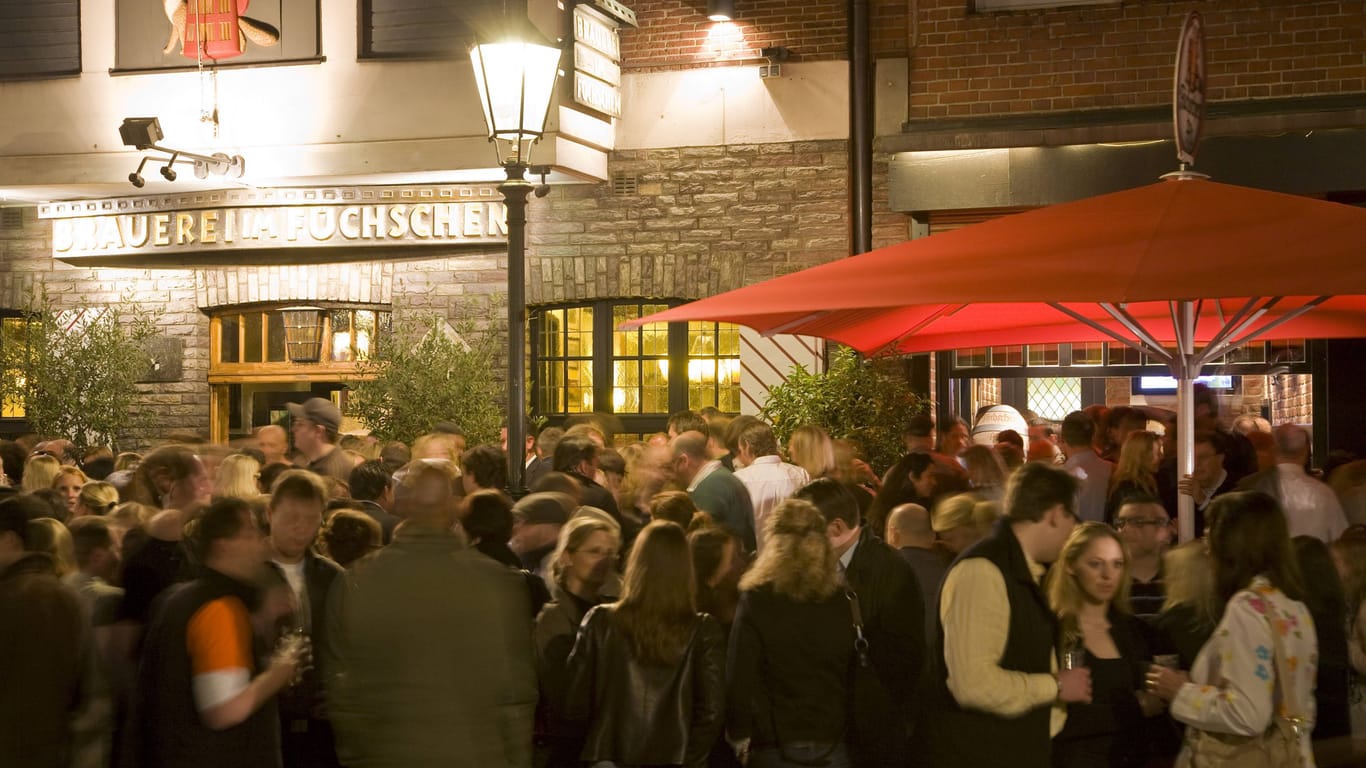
[1185, 367]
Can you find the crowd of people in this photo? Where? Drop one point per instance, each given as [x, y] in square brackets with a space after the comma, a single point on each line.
[702, 597]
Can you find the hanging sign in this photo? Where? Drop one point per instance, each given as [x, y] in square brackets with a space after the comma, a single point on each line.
[1188, 89]
[597, 61]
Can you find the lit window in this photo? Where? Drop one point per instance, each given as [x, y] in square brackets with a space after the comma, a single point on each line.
[650, 371]
[349, 336]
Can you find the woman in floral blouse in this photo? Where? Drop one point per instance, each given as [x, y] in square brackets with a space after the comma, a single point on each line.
[1232, 689]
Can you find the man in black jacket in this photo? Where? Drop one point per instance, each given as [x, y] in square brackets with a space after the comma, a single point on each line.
[577, 456]
[893, 613]
[295, 513]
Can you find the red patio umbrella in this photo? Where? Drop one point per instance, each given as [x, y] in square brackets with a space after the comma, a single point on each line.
[1185, 262]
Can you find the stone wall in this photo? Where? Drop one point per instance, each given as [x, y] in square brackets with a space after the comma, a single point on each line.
[27, 266]
[701, 220]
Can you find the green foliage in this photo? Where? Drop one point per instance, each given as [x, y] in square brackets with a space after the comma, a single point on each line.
[76, 371]
[432, 375]
[853, 399]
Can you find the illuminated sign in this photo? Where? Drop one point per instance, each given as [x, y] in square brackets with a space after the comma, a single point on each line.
[309, 227]
[597, 61]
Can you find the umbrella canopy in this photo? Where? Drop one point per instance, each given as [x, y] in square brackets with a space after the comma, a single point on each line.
[1162, 268]
[997, 282]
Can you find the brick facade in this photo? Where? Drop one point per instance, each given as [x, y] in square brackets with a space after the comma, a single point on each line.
[970, 64]
[1118, 56]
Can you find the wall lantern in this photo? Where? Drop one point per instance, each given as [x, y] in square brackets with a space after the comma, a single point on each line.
[303, 333]
[516, 81]
[720, 10]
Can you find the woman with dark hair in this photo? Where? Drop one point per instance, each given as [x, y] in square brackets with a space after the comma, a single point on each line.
[912, 480]
[646, 673]
[717, 565]
[1328, 605]
[1254, 679]
[788, 699]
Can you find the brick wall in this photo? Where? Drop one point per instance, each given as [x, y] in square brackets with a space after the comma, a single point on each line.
[1117, 56]
[1292, 400]
[705, 220]
[1090, 57]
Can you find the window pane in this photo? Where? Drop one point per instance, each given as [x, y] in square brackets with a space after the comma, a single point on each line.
[626, 386]
[1124, 355]
[230, 328]
[253, 333]
[1088, 353]
[728, 395]
[552, 333]
[701, 383]
[365, 333]
[728, 335]
[1288, 351]
[654, 394]
[1043, 354]
[579, 332]
[1009, 356]
[275, 337]
[625, 343]
[341, 335]
[701, 339]
[579, 392]
[976, 357]
[552, 387]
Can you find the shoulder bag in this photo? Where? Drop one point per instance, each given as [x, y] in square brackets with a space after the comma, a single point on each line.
[1279, 746]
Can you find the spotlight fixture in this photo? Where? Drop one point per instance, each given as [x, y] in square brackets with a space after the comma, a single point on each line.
[144, 132]
[720, 10]
[543, 188]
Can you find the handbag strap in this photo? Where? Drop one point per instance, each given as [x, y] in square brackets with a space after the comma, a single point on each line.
[860, 641]
[1285, 679]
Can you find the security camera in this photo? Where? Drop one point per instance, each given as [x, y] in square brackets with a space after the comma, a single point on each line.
[168, 173]
[136, 180]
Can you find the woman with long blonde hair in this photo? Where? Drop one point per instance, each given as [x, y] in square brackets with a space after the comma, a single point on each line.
[67, 483]
[788, 700]
[1088, 588]
[811, 448]
[645, 674]
[1136, 472]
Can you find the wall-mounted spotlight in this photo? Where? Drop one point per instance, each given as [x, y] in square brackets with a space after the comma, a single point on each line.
[543, 188]
[773, 61]
[720, 10]
[144, 133]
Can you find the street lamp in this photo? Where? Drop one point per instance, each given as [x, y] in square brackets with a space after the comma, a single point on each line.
[516, 81]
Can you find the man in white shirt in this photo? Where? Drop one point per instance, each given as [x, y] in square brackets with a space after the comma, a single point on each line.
[1311, 508]
[766, 476]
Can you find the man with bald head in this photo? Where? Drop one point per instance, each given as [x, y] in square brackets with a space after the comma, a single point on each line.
[273, 442]
[713, 488]
[426, 616]
[909, 533]
[1311, 507]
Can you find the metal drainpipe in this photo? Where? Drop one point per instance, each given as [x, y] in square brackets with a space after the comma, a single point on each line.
[860, 129]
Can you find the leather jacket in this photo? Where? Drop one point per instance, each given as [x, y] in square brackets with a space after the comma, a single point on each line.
[646, 714]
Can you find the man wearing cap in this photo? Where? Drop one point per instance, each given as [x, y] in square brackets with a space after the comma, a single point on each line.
[315, 425]
[536, 522]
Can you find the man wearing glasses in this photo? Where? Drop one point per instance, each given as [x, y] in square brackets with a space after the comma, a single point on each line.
[1145, 528]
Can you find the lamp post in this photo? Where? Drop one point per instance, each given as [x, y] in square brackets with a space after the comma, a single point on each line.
[516, 81]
